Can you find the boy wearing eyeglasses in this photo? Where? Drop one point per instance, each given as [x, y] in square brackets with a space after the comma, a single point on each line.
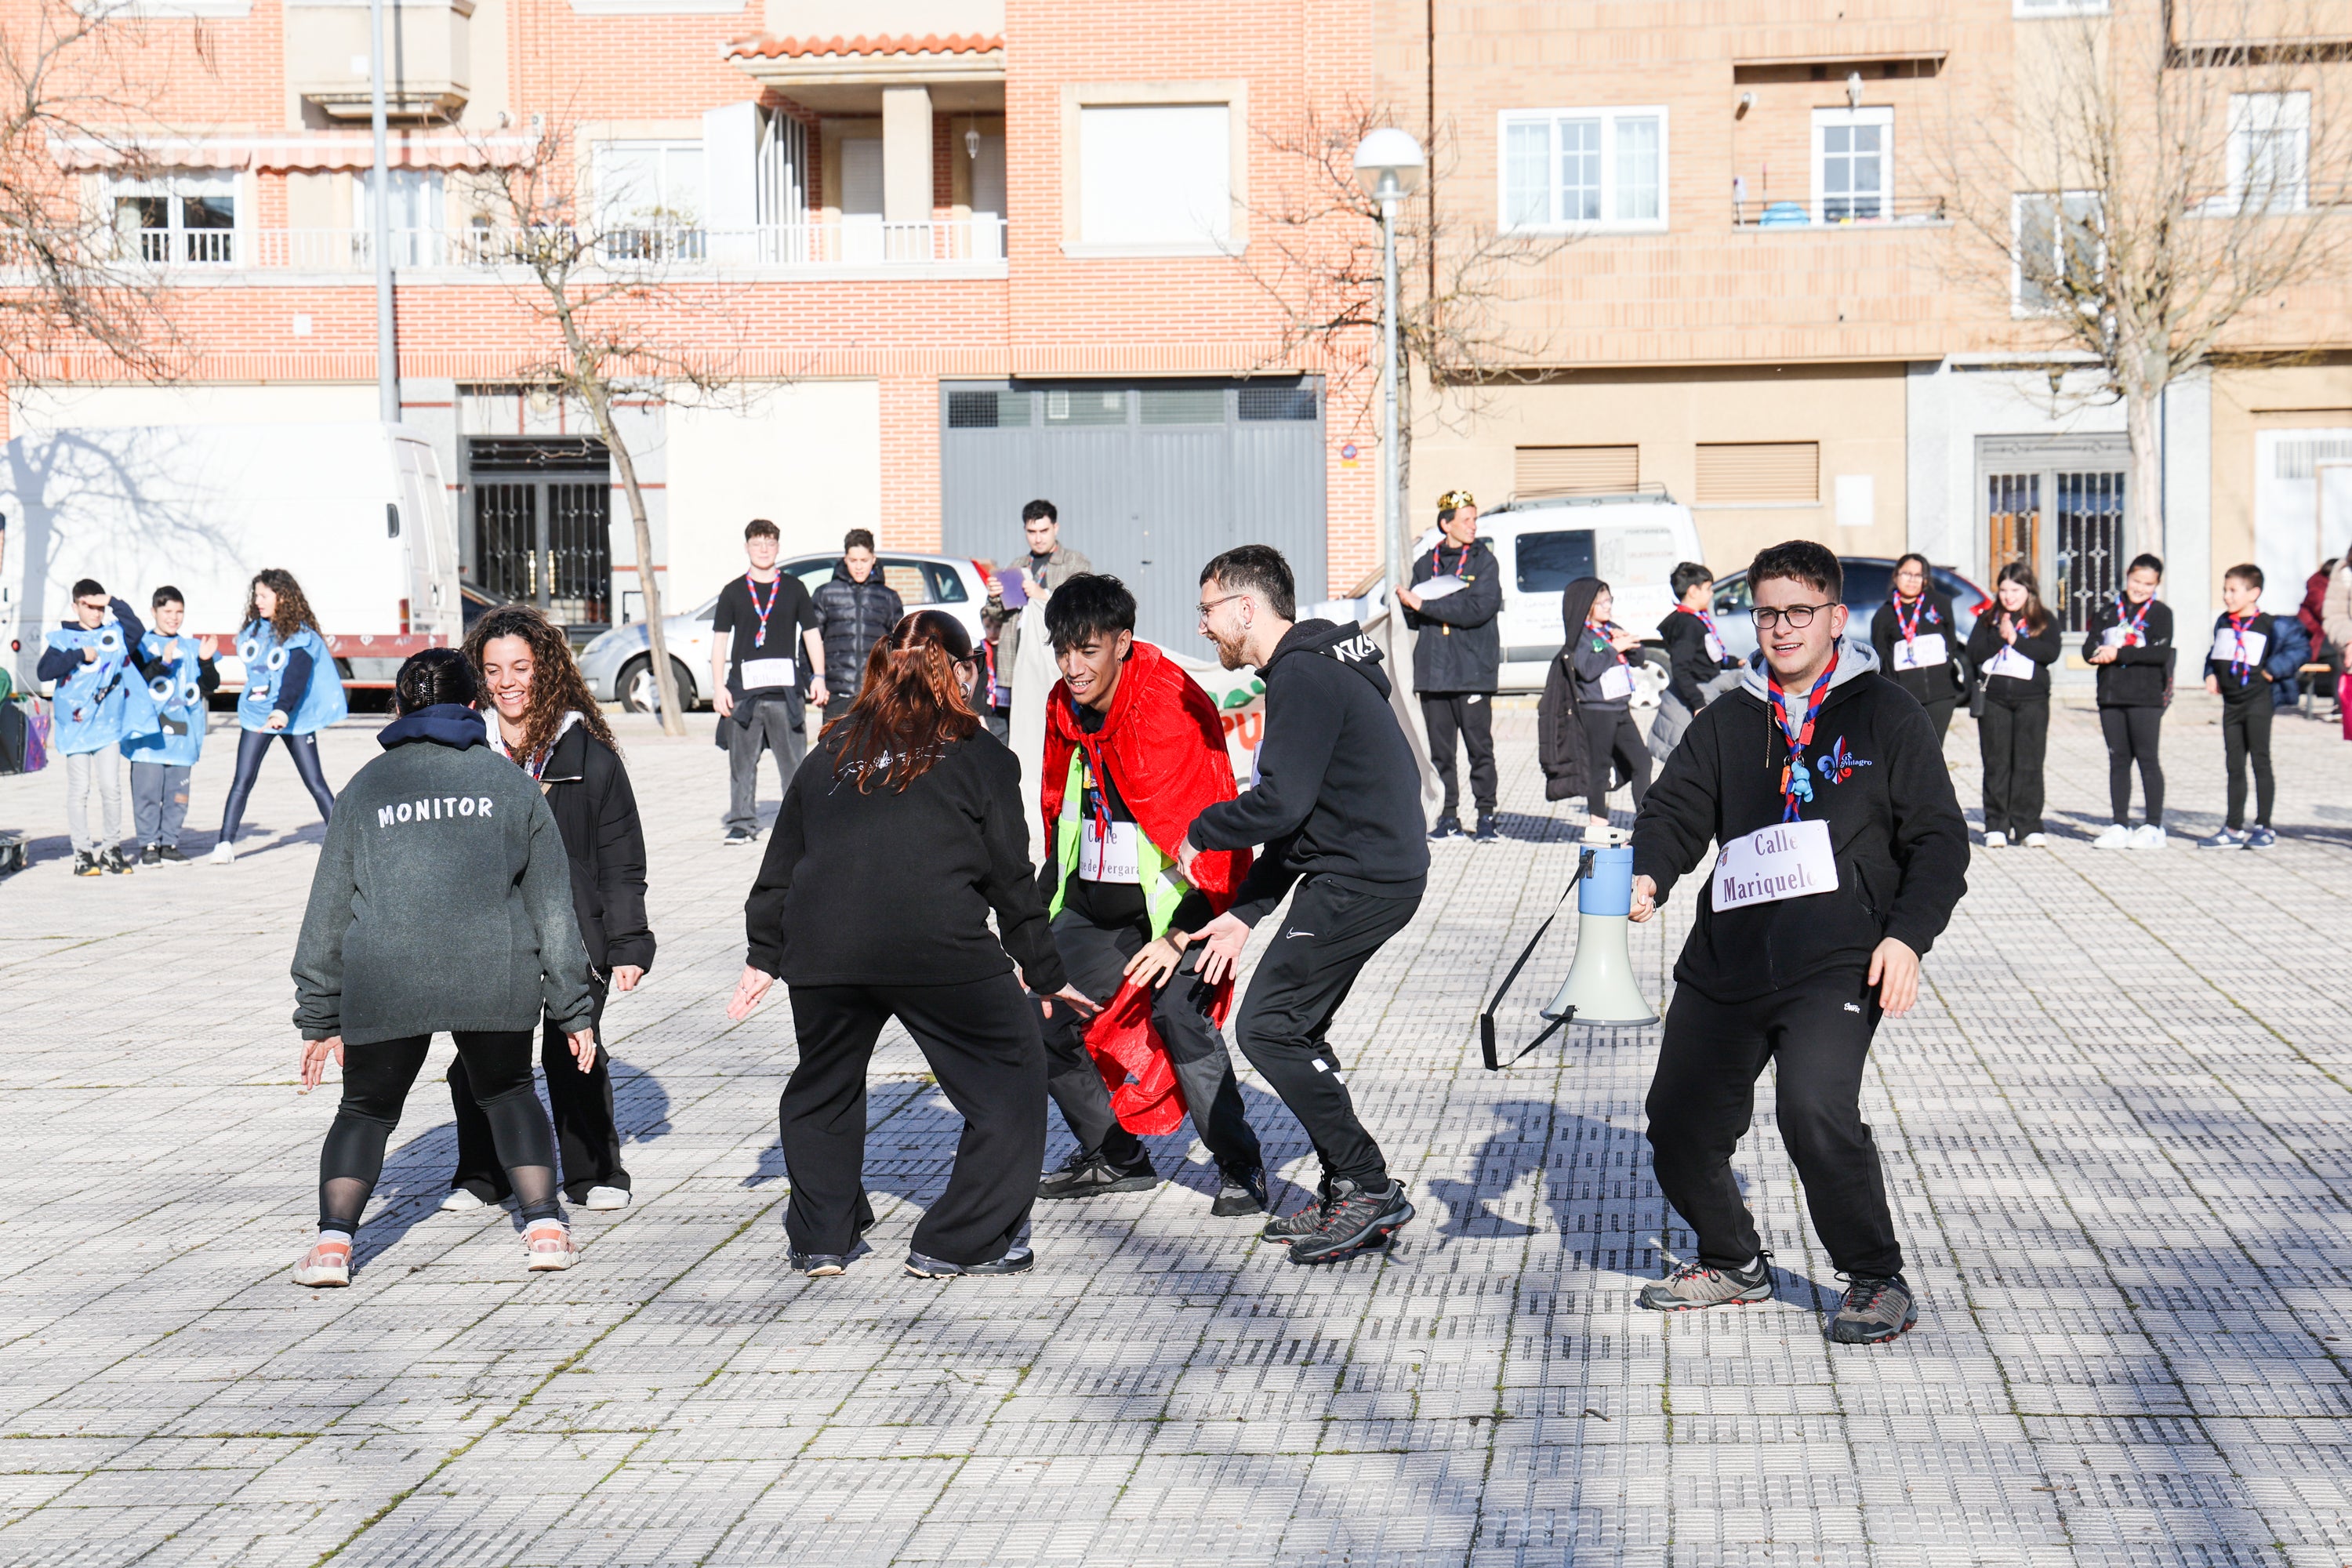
[1843, 853]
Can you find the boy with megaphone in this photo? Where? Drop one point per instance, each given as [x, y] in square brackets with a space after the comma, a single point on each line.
[1843, 853]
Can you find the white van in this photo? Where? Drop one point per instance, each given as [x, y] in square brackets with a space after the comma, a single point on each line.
[357, 512]
[1632, 542]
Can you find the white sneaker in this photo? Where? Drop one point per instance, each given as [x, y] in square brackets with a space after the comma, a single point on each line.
[2114, 835]
[606, 1198]
[2147, 836]
[460, 1200]
[1996, 840]
[547, 1246]
[221, 854]
[2036, 841]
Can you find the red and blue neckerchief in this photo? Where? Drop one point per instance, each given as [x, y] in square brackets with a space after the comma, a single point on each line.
[1919, 606]
[1796, 779]
[1604, 631]
[1097, 793]
[1704, 619]
[2238, 664]
[2135, 626]
[1437, 565]
[760, 633]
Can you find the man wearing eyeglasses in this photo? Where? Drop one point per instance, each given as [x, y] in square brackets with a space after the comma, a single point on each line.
[1842, 854]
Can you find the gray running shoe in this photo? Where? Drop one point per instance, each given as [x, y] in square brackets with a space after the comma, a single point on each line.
[1694, 1285]
[819, 1265]
[1874, 1310]
[1353, 1219]
[1091, 1175]
[1019, 1261]
[1291, 1226]
[1240, 1194]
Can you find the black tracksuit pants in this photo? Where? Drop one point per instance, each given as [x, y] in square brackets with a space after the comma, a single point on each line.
[1469, 715]
[585, 1135]
[1610, 733]
[1703, 1097]
[1329, 934]
[1095, 958]
[2132, 736]
[2246, 737]
[2014, 743]
[981, 1040]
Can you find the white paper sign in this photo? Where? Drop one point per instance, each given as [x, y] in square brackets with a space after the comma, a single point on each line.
[1107, 860]
[1616, 681]
[2012, 664]
[1440, 587]
[765, 674]
[1715, 648]
[2114, 635]
[1786, 861]
[1925, 651]
[2227, 649]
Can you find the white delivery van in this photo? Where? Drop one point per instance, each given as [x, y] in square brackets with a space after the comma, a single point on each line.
[1632, 542]
[358, 512]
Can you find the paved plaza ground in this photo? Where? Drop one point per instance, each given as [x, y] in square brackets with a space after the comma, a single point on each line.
[2118, 1132]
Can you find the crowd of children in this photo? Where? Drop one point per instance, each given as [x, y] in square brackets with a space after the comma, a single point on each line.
[123, 693]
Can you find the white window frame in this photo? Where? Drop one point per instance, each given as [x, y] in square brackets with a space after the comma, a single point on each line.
[1609, 117]
[2018, 307]
[2296, 119]
[176, 185]
[2036, 10]
[609, 217]
[1879, 115]
[1218, 237]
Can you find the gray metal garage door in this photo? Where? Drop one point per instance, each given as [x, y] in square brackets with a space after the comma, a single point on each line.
[1152, 480]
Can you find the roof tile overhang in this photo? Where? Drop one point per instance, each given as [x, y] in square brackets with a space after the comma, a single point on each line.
[900, 59]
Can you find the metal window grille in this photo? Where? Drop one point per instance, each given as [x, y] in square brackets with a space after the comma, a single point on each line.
[1277, 403]
[2087, 562]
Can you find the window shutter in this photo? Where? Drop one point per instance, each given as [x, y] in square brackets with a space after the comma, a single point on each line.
[1577, 472]
[1759, 473]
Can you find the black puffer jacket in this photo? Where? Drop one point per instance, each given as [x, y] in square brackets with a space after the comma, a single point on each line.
[855, 616]
[1460, 643]
[596, 812]
[1560, 745]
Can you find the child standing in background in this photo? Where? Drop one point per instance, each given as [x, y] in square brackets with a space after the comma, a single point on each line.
[2130, 644]
[181, 678]
[2234, 673]
[2015, 644]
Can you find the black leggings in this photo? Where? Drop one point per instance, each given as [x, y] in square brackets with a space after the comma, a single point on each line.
[1611, 732]
[2246, 736]
[251, 744]
[376, 1080]
[2132, 734]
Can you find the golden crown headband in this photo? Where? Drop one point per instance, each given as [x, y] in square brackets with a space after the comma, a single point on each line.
[1454, 500]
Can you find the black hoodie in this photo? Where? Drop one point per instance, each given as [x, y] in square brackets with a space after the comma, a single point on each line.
[1879, 781]
[2140, 674]
[1338, 794]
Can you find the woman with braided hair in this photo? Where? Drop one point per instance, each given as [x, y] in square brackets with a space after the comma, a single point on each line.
[543, 719]
[902, 831]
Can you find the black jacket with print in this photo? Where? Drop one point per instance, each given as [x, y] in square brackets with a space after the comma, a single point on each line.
[1880, 783]
[2041, 648]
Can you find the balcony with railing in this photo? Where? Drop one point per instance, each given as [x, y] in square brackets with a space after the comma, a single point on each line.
[1866, 211]
[967, 247]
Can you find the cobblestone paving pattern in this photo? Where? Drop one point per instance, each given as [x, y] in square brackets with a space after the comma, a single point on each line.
[2118, 1132]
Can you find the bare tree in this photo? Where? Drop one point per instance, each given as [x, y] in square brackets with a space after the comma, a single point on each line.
[604, 289]
[2146, 191]
[1316, 253]
[68, 283]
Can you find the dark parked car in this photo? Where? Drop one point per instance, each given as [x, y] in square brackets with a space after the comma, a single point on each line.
[1868, 580]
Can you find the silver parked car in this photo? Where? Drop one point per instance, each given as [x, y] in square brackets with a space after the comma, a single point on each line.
[619, 667]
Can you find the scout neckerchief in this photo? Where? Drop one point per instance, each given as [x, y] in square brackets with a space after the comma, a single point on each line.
[1919, 606]
[1437, 565]
[1090, 742]
[1601, 629]
[2135, 626]
[1796, 779]
[2238, 663]
[760, 633]
[1704, 619]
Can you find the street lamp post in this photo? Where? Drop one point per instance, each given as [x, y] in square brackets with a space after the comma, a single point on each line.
[1388, 166]
[387, 361]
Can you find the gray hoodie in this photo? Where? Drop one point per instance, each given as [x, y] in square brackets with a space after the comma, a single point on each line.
[442, 899]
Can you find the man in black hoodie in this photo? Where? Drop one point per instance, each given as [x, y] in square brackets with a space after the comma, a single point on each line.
[1843, 852]
[1337, 805]
[1455, 605]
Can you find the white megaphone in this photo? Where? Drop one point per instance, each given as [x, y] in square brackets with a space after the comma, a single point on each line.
[1600, 988]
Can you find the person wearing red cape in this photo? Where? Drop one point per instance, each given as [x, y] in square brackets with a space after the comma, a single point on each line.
[1133, 753]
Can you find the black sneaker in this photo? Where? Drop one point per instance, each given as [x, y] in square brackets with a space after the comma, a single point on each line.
[1448, 826]
[1487, 832]
[1240, 1194]
[114, 861]
[85, 863]
[1874, 1310]
[150, 855]
[819, 1265]
[1090, 1176]
[740, 836]
[1694, 1285]
[1353, 1220]
[1019, 1261]
[167, 855]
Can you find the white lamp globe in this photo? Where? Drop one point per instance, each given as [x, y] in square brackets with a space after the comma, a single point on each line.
[1388, 154]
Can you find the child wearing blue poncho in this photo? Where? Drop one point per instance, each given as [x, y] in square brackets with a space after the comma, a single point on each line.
[165, 742]
[291, 691]
[88, 659]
